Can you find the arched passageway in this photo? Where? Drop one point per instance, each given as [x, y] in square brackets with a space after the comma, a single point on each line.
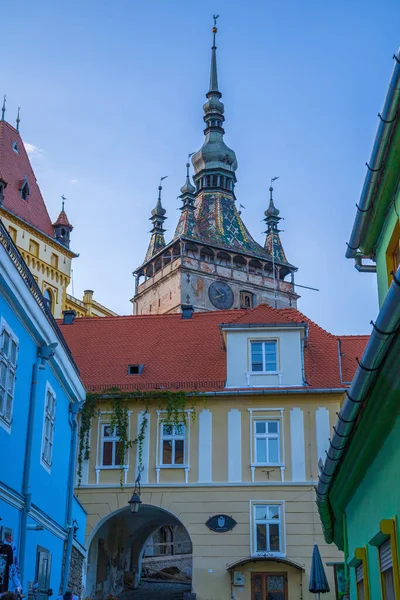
[136, 551]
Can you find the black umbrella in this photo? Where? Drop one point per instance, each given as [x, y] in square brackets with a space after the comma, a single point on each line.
[318, 581]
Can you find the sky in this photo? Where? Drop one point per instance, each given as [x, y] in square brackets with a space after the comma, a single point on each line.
[111, 97]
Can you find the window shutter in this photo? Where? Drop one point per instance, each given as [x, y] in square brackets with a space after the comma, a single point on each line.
[359, 573]
[385, 556]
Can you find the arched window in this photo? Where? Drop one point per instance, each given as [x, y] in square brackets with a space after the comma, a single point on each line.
[157, 265]
[208, 180]
[239, 263]
[246, 299]
[48, 296]
[176, 251]
[255, 267]
[167, 258]
[149, 271]
[207, 255]
[191, 249]
[223, 259]
[222, 181]
[214, 180]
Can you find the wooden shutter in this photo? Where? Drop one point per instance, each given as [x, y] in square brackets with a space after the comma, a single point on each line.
[385, 556]
[359, 573]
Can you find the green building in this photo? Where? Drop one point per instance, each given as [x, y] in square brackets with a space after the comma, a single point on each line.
[358, 493]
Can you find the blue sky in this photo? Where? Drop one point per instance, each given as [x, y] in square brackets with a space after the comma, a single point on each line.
[111, 97]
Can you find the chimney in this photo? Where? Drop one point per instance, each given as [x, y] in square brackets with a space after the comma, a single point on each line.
[187, 311]
[88, 301]
[69, 317]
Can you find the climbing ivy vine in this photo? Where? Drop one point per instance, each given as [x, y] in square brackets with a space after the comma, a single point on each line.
[174, 405]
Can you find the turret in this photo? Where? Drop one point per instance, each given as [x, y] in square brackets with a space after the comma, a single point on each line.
[273, 244]
[62, 227]
[187, 222]
[157, 240]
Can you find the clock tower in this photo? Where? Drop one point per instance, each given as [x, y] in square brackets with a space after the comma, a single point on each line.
[212, 262]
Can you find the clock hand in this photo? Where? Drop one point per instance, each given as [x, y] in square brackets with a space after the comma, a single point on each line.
[218, 296]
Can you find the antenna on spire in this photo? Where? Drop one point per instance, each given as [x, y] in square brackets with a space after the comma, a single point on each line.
[188, 163]
[63, 198]
[214, 29]
[160, 186]
[3, 110]
[18, 119]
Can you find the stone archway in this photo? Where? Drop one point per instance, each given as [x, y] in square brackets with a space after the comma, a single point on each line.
[125, 545]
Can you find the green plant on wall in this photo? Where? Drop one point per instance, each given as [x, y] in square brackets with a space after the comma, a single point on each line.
[174, 405]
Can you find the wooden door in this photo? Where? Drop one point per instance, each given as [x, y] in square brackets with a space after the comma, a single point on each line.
[43, 573]
[269, 586]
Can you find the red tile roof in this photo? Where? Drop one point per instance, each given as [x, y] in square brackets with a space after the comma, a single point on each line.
[62, 219]
[183, 353]
[351, 347]
[13, 168]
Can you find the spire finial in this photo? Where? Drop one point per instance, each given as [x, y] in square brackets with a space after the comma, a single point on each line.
[213, 72]
[63, 198]
[18, 119]
[3, 109]
[160, 187]
[272, 213]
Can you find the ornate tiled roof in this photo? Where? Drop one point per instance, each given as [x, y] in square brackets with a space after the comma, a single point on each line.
[62, 219]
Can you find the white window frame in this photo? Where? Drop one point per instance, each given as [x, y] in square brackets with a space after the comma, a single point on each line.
[159, 444]
[173, 437]
[114, 439]
[267, 436]
[267, 414]
[49, 420]
[264, 341]
[10, 370]
[253, 528]
[104, 419]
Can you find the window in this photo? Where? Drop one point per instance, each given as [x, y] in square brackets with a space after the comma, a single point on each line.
[263, 356]
[54, 260]
[13, 234]
[110, 456]
[386, 567]
[34, 248]
[25, 191]
[266, 442]
[8, 367]
[246, 300]
[48, 427]
[173, 439]
[15, 147]
[48, 296]
[360, 582]
[135, 369]
[267, 529]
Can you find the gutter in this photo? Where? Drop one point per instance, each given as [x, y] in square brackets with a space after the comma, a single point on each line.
[44, 354]
[377, 161]
[375, 353]
[75, 408]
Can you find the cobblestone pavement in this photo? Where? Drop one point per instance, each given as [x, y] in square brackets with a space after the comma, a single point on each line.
[156, 591]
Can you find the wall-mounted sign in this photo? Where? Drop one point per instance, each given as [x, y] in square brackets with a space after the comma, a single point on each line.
[221, 523]
[238, 578]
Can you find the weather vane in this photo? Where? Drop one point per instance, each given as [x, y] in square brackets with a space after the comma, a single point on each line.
[215, 17]
[274, 179]
[63, 198]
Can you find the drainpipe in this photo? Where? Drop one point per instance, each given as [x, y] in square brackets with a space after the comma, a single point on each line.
[44, 354]
[363, 268]
[346, 555]
[74, 410]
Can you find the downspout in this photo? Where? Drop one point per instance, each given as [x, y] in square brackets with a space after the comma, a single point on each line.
[363, 268]
[346, 556]
[44, 354]
[386, 326]
[74, 410]
[388, 121]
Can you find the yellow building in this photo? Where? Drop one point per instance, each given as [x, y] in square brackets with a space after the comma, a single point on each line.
[227, 472]
[44, 245]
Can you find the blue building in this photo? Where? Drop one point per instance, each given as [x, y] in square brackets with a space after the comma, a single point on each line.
[40, 396]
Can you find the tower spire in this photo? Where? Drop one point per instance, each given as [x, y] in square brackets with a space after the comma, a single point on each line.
[273, 244]
[213, 70]
[3, 109]
[157, 240]
[187, 223]
[18, 119]
[214, 164]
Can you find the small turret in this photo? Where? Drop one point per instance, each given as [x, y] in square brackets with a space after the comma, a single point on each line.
[157, 240]
[273, 244]
[62, 227]
[187, 222]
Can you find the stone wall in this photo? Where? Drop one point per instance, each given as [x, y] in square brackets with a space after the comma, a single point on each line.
[75, 572]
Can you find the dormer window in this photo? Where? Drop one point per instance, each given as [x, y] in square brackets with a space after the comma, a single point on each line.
[25, 190]
[246, 300]
[15, 147]
[135, 369]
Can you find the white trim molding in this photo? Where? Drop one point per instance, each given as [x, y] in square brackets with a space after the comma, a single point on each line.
[297, 447]
[322, 431]
[267, 414]
[205, 446]
[234, 445]
[252, 505]
[186, 465]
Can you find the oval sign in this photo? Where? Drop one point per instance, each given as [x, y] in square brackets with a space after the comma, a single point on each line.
[221, 523]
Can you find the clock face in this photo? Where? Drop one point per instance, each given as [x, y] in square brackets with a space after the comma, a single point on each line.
[220, 294]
